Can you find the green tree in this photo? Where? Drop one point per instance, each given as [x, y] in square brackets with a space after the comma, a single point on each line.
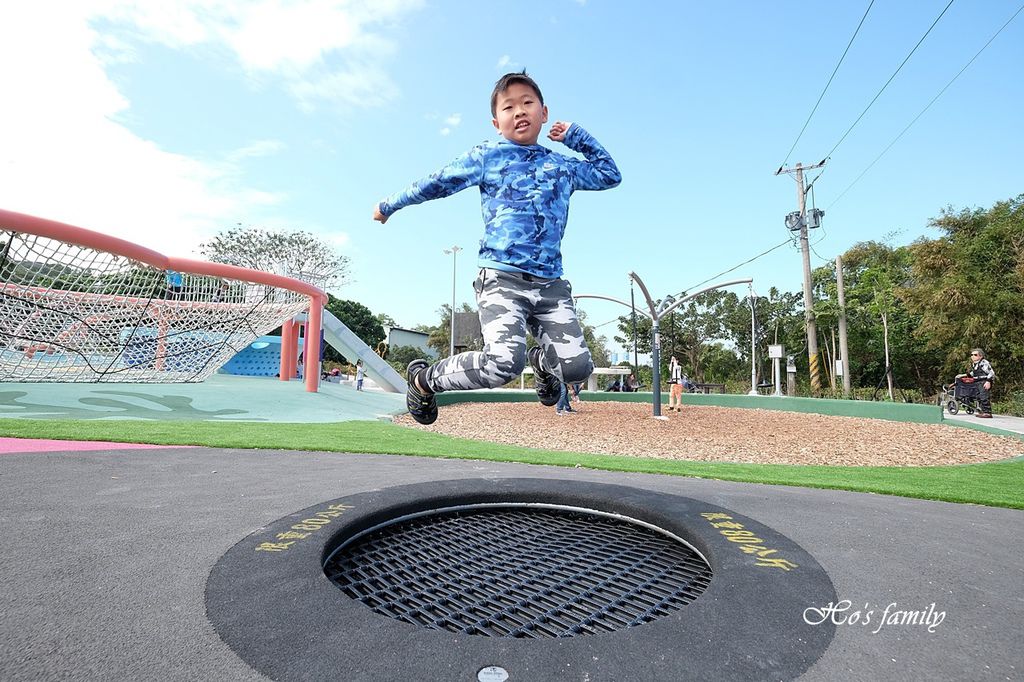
[689, 331]
[386, 320]
[777, 321]
[441, 334]
[359, 319]
[598, 345]
[722, 364]
[968, 289]
[879, 323]
[399, 357]
[297, 254]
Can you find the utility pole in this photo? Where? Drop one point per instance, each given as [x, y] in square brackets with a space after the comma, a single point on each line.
[842, 326]
[809, 323]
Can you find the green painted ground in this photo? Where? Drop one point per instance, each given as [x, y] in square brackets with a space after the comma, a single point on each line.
[221, 398]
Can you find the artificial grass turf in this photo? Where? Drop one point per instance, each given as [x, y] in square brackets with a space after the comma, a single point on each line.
[999, 484]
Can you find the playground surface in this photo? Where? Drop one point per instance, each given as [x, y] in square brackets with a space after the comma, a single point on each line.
[112, 549]
[714, 433]
[108, 553]
[222, 398]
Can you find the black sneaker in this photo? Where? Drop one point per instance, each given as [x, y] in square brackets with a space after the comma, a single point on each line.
[549, 389]
[422, 406]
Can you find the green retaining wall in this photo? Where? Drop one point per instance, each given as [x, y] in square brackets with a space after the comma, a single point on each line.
[900, 412]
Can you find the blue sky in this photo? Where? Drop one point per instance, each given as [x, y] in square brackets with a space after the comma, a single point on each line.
[164, 123]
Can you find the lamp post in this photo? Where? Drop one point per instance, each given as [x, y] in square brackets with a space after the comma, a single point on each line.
[632, 304]
[454, 251]
[753, 343]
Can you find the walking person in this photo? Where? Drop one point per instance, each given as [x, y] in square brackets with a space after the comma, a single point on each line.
[563, 407]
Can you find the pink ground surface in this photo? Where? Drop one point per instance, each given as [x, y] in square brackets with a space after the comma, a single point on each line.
[12, 445]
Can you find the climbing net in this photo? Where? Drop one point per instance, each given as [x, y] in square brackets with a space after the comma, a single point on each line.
[72, 313]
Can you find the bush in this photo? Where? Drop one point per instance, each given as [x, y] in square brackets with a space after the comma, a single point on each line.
[1012, 406]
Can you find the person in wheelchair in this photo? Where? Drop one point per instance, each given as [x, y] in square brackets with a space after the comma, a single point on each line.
[977, 383]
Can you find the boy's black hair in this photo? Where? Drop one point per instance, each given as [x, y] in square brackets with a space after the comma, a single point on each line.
[510, 79]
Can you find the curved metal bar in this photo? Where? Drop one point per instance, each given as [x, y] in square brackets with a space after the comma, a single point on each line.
[702, 291]
[647, 295]
[79, 236]
[614, 300]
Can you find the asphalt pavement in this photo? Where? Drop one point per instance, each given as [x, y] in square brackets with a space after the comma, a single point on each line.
[107, 553]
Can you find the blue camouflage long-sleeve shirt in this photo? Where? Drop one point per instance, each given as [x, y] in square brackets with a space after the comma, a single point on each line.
[524, 197]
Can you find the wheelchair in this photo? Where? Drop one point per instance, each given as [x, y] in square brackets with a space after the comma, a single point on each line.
[962, 394]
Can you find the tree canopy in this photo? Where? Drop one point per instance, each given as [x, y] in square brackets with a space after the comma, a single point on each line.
[967, 287]
[936, 298]
[359, 319]
[297, 254]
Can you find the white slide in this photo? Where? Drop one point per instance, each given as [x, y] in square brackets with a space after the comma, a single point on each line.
[352, 347]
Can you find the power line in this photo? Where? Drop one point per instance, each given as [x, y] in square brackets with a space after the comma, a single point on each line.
[879, 94]
[725, 272]
[604, 324]
[834, 71]
[934, 99]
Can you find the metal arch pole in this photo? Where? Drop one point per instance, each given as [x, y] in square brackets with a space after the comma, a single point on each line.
[656, 369]
[655, 316]
[655, 345]
[643, 288]
[704, 291]
[608, 298]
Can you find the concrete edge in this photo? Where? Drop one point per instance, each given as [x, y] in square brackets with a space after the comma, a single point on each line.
[899, 412]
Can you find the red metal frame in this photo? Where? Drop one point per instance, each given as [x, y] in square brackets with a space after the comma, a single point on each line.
[20, 222]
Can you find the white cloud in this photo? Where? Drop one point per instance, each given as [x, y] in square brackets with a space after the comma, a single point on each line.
[451, 122]
[256, 149]
[339, 240]
[321, 50]
[506, 64]
[65, 156]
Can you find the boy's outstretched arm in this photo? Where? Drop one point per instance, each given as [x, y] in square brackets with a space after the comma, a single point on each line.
[465, 171]
[599, 170]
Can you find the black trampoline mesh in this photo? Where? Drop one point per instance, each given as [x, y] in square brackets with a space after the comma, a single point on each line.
[520, 572]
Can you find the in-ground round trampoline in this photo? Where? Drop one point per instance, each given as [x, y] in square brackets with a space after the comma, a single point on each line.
[519, 579]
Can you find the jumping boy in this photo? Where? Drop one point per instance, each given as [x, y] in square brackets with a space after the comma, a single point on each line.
[524, 196]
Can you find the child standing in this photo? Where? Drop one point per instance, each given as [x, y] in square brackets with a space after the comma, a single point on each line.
[360, 373]
[675, 380]
[524, 196]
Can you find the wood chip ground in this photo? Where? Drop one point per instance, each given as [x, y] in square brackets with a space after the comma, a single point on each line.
[719, 434]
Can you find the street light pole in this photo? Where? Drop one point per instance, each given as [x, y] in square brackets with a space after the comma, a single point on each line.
[753, 344]
[632, 303]
[454, 251]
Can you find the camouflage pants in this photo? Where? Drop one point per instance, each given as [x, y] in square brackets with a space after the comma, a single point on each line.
[511, 303]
